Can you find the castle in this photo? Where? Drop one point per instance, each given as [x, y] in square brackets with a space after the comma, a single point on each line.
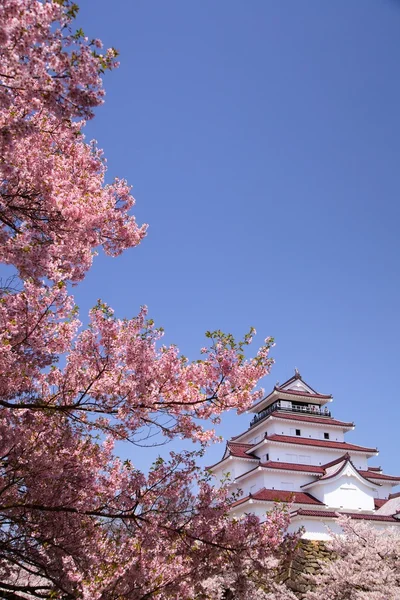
[294, 451]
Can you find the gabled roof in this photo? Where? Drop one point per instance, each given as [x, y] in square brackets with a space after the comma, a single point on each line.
[302, 393]
[296, 382]
[294, 386]
[300, 441]
[237, 451]
[240, 450]
[373, 473]
[336, 470]
[265, 495]
[305, 512]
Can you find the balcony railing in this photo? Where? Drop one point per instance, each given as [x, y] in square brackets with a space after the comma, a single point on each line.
[310, 410]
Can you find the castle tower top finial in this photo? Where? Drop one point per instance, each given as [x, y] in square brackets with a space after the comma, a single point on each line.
[297, 373]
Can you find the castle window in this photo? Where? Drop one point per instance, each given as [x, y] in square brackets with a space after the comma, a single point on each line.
[326, 436]
[298, 432]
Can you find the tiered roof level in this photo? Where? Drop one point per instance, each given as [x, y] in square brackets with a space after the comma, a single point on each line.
[294, 451]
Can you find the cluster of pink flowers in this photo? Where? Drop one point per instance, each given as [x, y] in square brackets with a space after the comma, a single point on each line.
[367, 565]
[76, 522]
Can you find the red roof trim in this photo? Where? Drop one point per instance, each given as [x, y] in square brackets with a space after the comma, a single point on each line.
[293, 417]
[265, 495]
[295, 377]
[379, 502]
[332, 475]
[293, 467]
[334, 515]
[240, 450]
[287, 439]
[375, 475]
[309, 419]
[302, 393]
[236, 450]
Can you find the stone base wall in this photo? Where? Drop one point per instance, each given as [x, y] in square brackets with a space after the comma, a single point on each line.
[305, 562]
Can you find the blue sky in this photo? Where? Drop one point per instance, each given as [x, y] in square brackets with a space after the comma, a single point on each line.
[262, 141]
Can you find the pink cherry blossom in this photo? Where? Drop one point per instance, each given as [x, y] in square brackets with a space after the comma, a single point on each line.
[367, 566]
[76, 521]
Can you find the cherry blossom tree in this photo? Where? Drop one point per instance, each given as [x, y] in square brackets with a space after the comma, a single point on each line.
[76, 521]
[367, 566]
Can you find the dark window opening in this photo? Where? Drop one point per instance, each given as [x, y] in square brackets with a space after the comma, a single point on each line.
[298, 432]
[326, 436]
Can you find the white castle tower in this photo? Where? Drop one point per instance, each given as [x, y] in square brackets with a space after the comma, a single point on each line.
[294, 451]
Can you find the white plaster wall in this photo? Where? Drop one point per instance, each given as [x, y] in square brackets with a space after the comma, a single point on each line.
[254, 432]
[234, 467]
[272, 426]
[346, 492]
[279, 480]
[250, 485]
[315, 529]
[274, 480]
[360, 461]
[319, 529]
[383, 491]
[315, 432]
[255, 508]
[319, 456]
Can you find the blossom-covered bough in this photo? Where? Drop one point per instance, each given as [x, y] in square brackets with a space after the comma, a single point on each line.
[367, 565]
[75, 521]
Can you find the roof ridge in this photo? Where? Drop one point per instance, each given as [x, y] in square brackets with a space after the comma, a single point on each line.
[316, 442]
[346, 460]
[334, 514]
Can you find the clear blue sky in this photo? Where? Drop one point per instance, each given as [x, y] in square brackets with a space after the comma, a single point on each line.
[262, 139]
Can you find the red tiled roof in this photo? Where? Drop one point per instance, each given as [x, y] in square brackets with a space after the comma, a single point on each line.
[293, 467]
[239, 450]
[305, 512]
[396, 495]
[286, 496]
[294, 378]
[280, 496]
[380, 502]
[309, 419]
[236, 450]
[299, 417]
[341, 466]
[302, 393]
[289, 439]
[375, 475]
